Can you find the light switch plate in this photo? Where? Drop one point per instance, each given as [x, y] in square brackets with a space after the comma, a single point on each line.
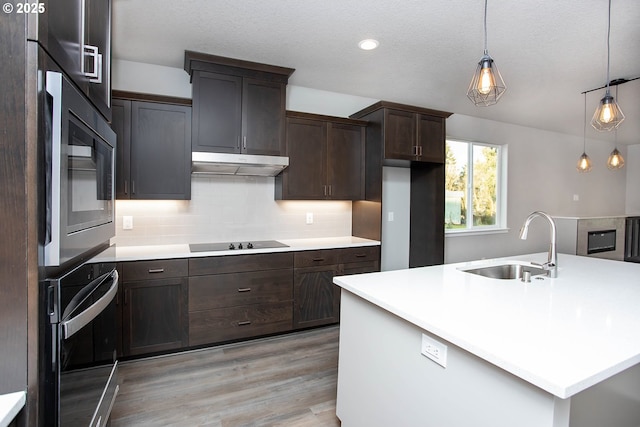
[309, 217]
[127, 222]
[434, 350]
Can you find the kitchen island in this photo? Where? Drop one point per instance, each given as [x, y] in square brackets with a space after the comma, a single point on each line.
[562, 352]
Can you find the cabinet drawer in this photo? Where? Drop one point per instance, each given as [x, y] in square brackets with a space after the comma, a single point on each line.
[156, 269]
[225, 324]
[314, 258]
[239, 263]
[360, 254]
[231, 290]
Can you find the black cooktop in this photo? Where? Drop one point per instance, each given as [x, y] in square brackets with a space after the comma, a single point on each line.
[258, 244]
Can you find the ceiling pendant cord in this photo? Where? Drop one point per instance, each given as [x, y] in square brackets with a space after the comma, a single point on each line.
[608, 115]
[584, 162]
[615, 160]
[487, 85]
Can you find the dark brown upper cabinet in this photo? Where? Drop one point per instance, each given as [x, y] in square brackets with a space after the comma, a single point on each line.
[77, 35]
[326, 158]
[154, 148]
[409, 133]
[238, 106]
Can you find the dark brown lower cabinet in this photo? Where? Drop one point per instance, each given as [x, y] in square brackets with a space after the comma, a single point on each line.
[251, 295]
[179, 303]
[154, 316]
[316, 298]
[154, 306]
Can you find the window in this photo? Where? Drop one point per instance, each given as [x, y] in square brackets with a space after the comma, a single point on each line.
[475, 188]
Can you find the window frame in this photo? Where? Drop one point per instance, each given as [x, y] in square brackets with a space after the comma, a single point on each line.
[501, 190]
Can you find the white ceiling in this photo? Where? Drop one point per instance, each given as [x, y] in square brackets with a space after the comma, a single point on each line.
[548, 51]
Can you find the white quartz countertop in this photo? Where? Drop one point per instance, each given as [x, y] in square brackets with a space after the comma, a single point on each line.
[563, 335]
[10, 406]
[139, 253]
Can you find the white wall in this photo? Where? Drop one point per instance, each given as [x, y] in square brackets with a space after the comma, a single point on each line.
[541, 174]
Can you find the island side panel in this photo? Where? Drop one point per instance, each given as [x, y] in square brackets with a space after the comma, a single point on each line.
[612, 402]
[383, 380]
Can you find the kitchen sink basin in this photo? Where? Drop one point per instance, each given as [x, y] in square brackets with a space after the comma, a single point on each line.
[507, 271]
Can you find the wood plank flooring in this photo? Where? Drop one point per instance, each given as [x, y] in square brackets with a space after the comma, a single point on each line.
[288, 380]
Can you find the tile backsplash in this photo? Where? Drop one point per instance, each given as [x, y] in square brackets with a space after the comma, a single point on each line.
[228, 208]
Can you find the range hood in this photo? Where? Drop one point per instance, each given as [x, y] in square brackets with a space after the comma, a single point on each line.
[237, 164]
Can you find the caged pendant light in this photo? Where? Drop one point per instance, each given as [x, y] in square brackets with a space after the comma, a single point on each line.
[486, 86]
[608, 115]
[615, 160]
[584, 162]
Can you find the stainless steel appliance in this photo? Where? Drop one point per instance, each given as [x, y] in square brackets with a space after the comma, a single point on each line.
[632, 239]
[258, 244]
[599, 237]
[80, 373]
[79, 173]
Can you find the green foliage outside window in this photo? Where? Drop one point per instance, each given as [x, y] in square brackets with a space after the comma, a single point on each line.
[483, 183]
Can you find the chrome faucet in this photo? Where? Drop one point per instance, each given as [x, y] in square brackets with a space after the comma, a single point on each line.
[552, 260]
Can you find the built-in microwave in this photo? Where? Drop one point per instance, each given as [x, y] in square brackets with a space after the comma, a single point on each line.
[79, 162]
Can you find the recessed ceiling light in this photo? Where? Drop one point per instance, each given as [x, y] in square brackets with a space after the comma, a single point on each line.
[368, 44]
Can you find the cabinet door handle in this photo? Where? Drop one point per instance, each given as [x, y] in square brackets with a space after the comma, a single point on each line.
[89, 51]
[244, 323]
[244, 289]
[325, 190]
[419, 150]
[244, 142]
[133, 187]
[126, 186]
[317, 259]
[330, 190]
[156, 270]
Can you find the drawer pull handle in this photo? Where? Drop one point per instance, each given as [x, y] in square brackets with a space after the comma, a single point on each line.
[318, 259]
[156, 270]
[244, 323]
[244, 289]
[361, 255]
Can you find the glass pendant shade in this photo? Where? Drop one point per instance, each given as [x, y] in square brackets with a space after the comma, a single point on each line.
[615, 160]
[486, 86]
[584, 163]
[608, 115]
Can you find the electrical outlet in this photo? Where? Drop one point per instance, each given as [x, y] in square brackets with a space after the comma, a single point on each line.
[576, 197]
[434, 350]
[390, 216]
[127, 222]
[309, 217]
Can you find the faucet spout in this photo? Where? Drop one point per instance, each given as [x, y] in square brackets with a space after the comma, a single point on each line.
[552, 259]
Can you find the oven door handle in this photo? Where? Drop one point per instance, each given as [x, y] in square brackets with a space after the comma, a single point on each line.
[73, 325]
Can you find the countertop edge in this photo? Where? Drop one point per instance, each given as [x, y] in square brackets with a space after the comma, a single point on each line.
[157, 252]
[10, 405]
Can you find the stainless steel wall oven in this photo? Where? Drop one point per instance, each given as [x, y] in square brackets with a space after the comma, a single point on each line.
[79, 162]
[80, 375]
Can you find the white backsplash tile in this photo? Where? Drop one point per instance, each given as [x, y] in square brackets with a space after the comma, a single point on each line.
[229, 208]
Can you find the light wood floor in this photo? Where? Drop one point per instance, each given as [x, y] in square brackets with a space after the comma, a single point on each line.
[287, 380]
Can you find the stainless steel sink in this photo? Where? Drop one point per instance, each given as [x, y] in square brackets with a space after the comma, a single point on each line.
[507, 271]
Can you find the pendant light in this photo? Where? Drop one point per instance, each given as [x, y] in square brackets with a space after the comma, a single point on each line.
[608, 115]
[487, 85]
[584, 162]
[615, 160]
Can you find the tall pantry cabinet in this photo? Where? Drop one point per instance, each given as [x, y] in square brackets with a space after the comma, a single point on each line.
[411, 137]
